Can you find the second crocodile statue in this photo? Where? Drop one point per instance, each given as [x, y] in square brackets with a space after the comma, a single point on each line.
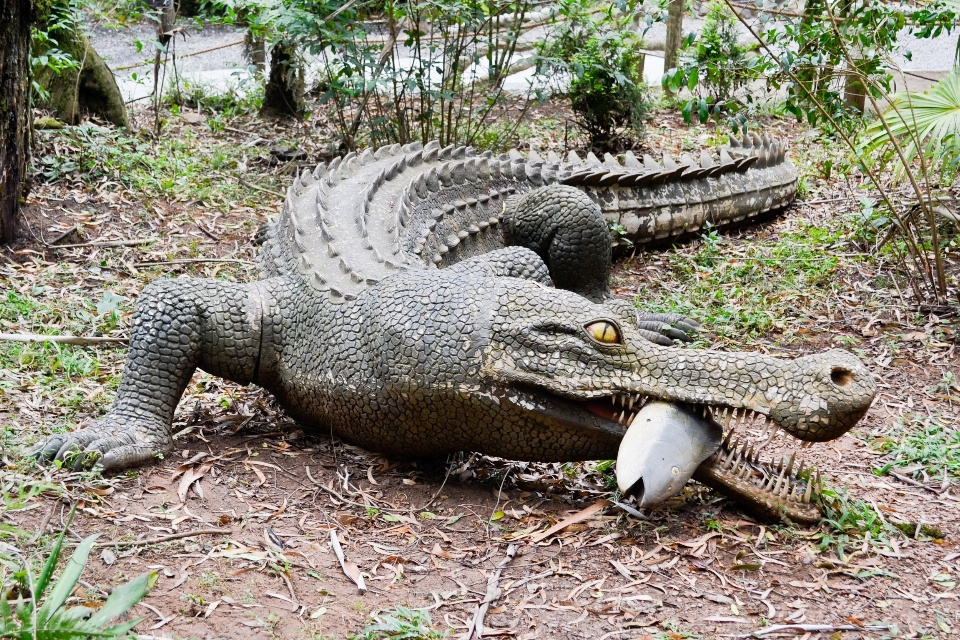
[420, 301]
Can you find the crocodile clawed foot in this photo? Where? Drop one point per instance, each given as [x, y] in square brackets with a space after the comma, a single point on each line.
[113, 442]
[664, 328]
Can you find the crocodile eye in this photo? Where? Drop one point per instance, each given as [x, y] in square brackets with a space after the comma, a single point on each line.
[605, 332]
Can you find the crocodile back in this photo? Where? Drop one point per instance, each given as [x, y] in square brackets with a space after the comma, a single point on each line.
[351, 223]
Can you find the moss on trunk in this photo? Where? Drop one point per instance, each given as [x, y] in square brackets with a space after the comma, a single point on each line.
[91, 88]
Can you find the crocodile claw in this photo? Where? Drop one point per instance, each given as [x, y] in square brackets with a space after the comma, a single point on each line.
[664, 328]
[113, 442]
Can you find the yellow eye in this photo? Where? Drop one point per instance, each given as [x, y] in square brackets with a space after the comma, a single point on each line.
[603, 331]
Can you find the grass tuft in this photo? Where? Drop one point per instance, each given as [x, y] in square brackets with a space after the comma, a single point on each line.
[401, 624]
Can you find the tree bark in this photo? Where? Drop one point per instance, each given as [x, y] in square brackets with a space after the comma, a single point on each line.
[674, 34]
[15, 20]
[255, 51]
[284, 93]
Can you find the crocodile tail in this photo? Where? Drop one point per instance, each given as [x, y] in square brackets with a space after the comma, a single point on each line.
[665, 200]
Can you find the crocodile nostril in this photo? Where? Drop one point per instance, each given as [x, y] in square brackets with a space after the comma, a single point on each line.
[840, 376]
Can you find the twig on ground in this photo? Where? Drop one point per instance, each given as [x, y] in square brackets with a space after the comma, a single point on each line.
[207, 232]
[106, 243]
[259, 188]
[572, 519]
[824, 200]
[912, 482]
[79, 341]
[246, 133]
[43, 524]
[157, 263]
[53, 241]
[158, 540]
[475, 628]
[825, 628]
[346, 500]
[293, 594]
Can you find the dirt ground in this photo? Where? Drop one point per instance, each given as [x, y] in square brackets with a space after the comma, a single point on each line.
[263, 497]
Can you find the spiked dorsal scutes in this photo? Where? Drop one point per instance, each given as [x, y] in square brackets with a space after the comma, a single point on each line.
[358, 219]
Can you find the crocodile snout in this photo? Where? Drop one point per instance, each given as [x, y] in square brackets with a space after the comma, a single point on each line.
[831, 391]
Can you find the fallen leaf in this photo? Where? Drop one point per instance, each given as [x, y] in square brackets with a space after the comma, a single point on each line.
[108, 557]
[575, 518]
[190, 476]
[349, 568]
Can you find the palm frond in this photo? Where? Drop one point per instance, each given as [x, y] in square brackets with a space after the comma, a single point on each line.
[926, 124]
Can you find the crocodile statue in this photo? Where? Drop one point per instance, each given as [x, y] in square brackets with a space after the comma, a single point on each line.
[420, 300]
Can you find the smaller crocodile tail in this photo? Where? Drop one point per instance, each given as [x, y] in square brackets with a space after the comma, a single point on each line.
[654, 201]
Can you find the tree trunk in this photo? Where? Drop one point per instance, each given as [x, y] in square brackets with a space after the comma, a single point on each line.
[15, 20]
[90, 88]
[284, 93]
[674, 34]
[255, 51]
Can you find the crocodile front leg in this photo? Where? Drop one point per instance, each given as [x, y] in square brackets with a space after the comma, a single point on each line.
[567, 230]
[178, 326]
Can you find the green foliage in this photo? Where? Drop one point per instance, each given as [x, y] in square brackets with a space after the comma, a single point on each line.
[848, 523]
[401, 624]
[607, 92]
[598, 55]
[176, 168]
[64, 17]
[715, 67]
[38, 612]
[403, 71]
[922, 446]
[118, 14]
[748, 292]
[926, 126]
[244, 97]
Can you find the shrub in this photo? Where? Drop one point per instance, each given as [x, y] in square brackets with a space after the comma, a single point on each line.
[599, 58]
[715, 67]
[607, 93]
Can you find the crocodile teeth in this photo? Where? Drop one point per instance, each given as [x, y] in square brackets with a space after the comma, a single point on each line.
[769, 439]
[785, 491]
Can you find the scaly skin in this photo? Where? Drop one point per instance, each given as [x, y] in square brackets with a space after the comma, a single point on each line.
[356, 330]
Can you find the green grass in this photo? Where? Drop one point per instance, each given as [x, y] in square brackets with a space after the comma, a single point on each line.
[401, 624]
[69, 383]
[921, 444]
[176, 168]
[749, 290]
[848, 523]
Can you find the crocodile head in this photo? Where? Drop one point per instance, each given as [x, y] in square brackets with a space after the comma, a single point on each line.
[578, 361]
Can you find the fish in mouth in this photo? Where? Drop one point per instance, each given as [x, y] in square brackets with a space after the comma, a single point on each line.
[668, 443]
